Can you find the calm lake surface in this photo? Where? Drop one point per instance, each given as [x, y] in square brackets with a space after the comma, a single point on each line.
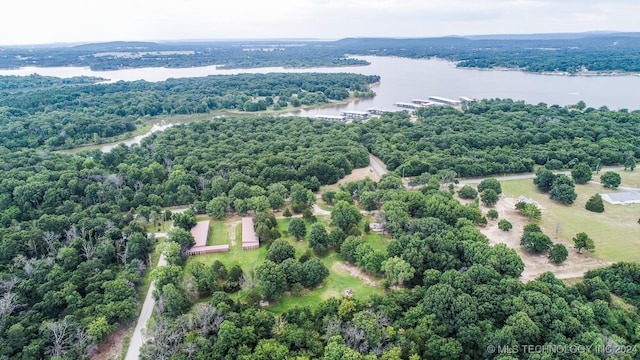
[405, 79]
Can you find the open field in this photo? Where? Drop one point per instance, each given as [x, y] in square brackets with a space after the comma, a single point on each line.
[535, 265]
[613, 231]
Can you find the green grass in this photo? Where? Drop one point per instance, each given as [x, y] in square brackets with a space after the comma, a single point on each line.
[338, 281]
[377, 241]
[218, 233]
[630, 178]
[612, 231]
[323, 205]
[162, 226]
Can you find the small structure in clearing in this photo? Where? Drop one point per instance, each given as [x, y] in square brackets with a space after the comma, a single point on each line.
[377, 227]
[347, 292]
[200, 234]
[526, 200]
[249, 238]
[622, 198]
[263, 303]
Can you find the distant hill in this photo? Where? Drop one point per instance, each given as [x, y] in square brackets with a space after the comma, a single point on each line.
[549, 36]
[119, 46]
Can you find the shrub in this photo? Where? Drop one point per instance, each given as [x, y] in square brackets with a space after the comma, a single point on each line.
[504, 225]
[595, 204]
[467, 192]
[489, 197]
[610, 179]
[490, 183]
[558, 253]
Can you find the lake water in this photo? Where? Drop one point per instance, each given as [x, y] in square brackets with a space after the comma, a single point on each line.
[405, 79]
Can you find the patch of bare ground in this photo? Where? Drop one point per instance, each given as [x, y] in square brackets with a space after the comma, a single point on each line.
[112, 347]
[356, 272]
[535, 265]
[360, 174]
[231, 228]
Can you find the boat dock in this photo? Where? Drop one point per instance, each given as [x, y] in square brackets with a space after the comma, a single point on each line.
[331, 118]
[407, 105]
[355, 114]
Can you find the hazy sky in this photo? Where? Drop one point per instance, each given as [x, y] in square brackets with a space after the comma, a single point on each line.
[46, 21]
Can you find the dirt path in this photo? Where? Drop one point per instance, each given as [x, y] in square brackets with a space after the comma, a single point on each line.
[318, 211]
[353, 271]
[231, 228]
[535, 265]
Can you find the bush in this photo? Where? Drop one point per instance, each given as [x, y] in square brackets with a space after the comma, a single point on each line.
[504, 225]
[490, 183]
[595, 204]
[467, 192]
[536, 242]
[558, 253]
[489, 197]
[298, 207]
[610, 179]
[492, 214]
[530, 211]
[581, 173]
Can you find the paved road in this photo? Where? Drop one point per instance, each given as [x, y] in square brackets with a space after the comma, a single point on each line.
[377, 167]
[138, 339]
[530, 175]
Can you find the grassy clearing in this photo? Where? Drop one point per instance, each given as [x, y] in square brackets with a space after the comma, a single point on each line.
[161, 226]
[612, 230]
[333, 286]
[377, 241]
[218, 233]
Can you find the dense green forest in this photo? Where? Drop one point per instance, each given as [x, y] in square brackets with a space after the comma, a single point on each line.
[606, 52]
[35, 81]
[502, 136]
[43, 112]
[591, 52]
[71, 255]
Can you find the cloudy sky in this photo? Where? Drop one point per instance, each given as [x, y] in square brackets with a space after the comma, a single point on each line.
[47, 21]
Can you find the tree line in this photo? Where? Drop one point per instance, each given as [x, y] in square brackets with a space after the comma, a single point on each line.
[62, 115]
[502, 136]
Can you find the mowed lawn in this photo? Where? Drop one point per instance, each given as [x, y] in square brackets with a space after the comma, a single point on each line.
[616, 232]
[219, 233]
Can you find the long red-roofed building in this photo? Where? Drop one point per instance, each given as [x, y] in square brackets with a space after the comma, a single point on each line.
[249, 238]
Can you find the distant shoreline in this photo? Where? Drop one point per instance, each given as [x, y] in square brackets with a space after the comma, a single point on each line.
[551, 73]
